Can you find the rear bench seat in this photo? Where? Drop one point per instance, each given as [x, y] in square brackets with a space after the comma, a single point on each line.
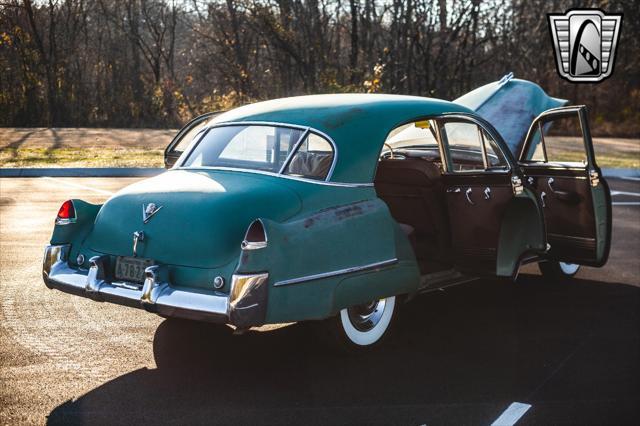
[413, 190]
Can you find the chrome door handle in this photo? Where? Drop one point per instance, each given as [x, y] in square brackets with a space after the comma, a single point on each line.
[543, 196]
[454, 190]
[550, 183]
[487, 193]
[467, 194]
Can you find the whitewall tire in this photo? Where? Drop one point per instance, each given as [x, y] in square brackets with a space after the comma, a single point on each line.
[365, 325]
[558, 270]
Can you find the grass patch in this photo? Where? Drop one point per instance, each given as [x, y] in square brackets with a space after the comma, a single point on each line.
[86, 157]
[604, 160]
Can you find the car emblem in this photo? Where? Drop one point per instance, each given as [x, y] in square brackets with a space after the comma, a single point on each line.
[585, 42]
[148, 211]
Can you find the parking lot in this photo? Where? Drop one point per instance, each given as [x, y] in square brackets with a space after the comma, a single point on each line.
[570, 350]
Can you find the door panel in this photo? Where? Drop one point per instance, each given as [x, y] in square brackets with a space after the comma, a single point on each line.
[476, 206]
[478, 191]
[574, 197]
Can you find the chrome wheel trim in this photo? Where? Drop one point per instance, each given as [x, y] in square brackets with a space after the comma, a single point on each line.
[366, 324]
[365, 317]
[569, 268]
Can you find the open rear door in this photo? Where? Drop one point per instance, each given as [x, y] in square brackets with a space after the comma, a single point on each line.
[559, 164]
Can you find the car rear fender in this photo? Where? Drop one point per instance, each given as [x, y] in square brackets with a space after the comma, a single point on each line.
[76, 231]
[331, 259]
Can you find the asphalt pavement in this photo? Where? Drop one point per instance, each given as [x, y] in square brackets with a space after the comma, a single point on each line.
[567, 351]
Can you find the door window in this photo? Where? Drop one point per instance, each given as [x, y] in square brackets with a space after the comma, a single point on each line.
[562, 141]
[465, 146]
[471, 148]
[495, 157]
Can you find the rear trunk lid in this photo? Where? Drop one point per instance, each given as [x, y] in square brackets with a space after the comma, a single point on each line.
[201, 218]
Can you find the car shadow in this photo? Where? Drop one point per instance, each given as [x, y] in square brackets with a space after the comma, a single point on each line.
[459, 356]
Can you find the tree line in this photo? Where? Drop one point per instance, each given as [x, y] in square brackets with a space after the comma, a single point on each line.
[157, 63]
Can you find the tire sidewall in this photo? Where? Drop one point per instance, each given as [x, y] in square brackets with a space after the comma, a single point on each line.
[553, 270]
[365, 339]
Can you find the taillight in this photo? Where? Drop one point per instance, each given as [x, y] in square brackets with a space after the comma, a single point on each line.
[66, 214]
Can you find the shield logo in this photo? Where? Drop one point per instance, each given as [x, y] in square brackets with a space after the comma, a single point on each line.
[585, 42]
[148, 211]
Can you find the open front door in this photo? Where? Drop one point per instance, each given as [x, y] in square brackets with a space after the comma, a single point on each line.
[559, 166]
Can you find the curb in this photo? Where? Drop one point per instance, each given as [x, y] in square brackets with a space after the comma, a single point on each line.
[81, 172]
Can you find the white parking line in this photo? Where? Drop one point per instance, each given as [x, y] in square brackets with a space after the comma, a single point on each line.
[512, 414]
[77, 185]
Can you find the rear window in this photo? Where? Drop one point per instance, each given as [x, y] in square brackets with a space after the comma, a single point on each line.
[251, 147]
[265, 148]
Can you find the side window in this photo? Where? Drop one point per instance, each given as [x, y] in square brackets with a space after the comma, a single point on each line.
[557, 139]
[313, 158]
[465, 146]
[495, 158]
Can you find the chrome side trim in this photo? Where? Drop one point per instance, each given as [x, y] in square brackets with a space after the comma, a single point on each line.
[350, 270]
[263, 172]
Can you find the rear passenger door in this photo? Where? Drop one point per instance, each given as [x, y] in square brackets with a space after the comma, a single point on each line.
[478, 189]
[559, 165]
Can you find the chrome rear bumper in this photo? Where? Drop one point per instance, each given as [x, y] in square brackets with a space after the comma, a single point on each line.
[244, 307]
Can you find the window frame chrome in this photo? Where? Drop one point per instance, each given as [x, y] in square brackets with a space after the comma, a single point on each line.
[306, 130]
[560, 112]
[462, 117]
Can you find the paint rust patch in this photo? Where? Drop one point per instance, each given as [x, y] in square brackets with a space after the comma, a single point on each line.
[345, 213]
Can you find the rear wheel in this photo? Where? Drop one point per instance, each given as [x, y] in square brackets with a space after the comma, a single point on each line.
[367, 324]
[558, 270]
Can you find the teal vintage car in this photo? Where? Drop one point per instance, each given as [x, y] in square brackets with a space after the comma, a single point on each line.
[340, 206]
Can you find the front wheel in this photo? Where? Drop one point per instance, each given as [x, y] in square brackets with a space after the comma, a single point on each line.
[558, 270]
[367, 324]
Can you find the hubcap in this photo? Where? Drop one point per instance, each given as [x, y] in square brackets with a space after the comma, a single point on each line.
[569, 268]
[366, 316]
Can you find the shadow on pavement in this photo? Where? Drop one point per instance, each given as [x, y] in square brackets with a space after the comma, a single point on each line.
[458, 357]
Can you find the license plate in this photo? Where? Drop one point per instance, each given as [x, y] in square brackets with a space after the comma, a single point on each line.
[131, 268]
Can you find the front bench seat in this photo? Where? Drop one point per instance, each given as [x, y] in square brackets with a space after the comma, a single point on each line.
[413, 190]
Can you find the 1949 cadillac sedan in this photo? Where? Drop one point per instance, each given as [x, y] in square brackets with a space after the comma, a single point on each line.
[338, 206]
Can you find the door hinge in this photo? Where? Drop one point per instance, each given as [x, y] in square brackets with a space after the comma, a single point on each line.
[516, 184]
[594, 177]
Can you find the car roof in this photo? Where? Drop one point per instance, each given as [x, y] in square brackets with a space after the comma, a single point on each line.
[357, 123]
